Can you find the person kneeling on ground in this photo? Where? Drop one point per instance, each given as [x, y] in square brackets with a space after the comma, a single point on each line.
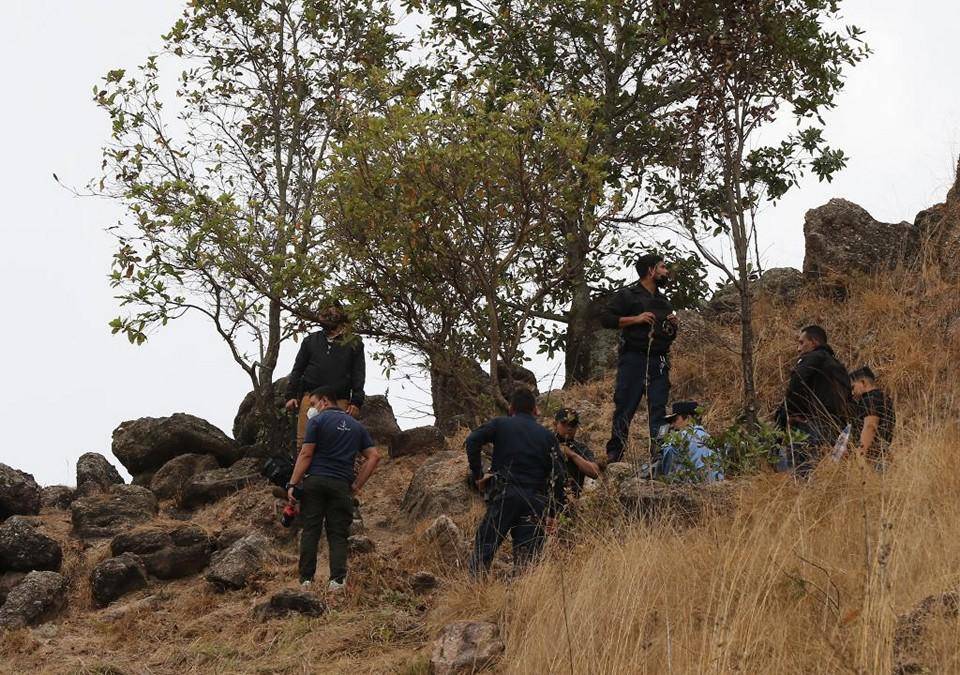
[525, 487]
[875, 417]
[580, 462]
[325, 465]
[685, 454]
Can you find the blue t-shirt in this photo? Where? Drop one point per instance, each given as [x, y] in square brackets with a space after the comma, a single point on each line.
[338, 439]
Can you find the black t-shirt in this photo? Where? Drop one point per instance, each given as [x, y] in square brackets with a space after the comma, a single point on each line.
[877, 403]
[574, 473]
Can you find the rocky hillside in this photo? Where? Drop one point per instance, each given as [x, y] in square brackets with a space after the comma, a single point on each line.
[189, 570]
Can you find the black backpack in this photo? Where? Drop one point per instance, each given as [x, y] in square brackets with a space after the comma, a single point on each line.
[278, 470]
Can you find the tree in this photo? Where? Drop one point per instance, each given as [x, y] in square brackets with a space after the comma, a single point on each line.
[221, 192]
[750, 67]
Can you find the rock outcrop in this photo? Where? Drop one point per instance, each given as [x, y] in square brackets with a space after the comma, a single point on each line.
[57, 496]
[378, 418]
[440, 486]
[167, 553]
[112, 512]
[419, 441]
[288, 602]
[213, 485]
[19, 493]
[39, 597]
[115, 577]
[171, 480]
[24, 548]
[445, 540]
[466, 647]
[684, 505]
[95, 474]
[146, 444]
[781, 284]
[232, 568]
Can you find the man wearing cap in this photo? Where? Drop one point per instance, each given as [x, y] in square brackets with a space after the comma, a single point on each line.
[648, 326]
[685, 453]
[580, 462]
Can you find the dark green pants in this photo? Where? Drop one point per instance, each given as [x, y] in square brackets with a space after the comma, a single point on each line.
[325, 502]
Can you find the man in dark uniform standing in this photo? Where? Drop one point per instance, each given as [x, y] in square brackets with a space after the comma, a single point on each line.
[524, 488]
[580, 463]
[648, 326]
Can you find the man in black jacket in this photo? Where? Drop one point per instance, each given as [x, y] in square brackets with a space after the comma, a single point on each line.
[327, 358]
[818, 398]
[648, 326]
[524, 488]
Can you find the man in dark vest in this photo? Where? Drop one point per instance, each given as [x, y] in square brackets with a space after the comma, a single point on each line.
[648, 326]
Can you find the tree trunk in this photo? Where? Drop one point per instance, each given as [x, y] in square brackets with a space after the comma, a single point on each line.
[580, 331]
[746, 349]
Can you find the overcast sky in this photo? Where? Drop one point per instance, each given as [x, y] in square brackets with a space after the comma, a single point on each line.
[67, 383]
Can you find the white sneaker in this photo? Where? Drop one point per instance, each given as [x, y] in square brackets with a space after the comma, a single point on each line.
[337, 586]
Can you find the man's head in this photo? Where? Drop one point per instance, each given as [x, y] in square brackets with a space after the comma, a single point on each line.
[566, 422]
[332, 317]
[810, 338]
[682, 413]
[863, 380]
[522, 401]
[322, 398]
[651, 266]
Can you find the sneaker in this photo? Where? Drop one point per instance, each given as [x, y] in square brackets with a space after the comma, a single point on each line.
[337, 586]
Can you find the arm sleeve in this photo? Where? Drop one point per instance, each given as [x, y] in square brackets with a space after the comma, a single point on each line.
[798, 389]
[558, 479]
[475, 442]
[295, 380]
[312, 433]
[366, 441]
[358, 375]
[614, 309]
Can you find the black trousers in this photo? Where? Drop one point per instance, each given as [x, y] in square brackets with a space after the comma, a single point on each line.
[518, 512]
[638, 375]
[326, 502]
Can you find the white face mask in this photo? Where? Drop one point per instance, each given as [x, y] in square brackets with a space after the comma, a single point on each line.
[312, 412]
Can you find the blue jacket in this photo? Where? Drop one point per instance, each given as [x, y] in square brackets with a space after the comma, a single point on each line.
[692, 445]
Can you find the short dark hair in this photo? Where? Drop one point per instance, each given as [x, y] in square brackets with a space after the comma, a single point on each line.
[327, 392]
[523, 401]
[647, 262]
[863, 373]
[815, 333]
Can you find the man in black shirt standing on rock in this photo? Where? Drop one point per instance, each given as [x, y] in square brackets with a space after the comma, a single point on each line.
[648, 326]
[876, 417]
[329, 357]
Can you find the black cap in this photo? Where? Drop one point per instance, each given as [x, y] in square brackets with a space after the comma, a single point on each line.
[568, 416]
[685, 408]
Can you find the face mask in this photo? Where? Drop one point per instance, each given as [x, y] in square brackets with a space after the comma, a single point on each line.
[312, 412]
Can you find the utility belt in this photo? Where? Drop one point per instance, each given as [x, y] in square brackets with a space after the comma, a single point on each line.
[497, 485]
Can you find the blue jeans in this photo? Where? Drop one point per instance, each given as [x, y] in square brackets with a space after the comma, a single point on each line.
[518, 512]
[637, 375]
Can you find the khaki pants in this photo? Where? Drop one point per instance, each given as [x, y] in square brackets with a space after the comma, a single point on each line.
[302, 417]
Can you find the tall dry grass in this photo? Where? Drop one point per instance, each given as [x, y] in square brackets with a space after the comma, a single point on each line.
[797, 578]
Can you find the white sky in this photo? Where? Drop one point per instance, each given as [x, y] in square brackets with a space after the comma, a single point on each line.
[67, 382]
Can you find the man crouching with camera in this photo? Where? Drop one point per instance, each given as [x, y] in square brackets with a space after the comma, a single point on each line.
[325, 465]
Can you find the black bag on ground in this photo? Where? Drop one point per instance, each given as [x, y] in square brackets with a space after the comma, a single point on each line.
[278, 470]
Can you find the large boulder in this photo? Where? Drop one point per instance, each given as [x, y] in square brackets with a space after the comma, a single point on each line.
[233, 567]
[441, 485]
[445, 540]
[378, 418]
[119, 509]
[288, 602]
[466, 647]
[19, 493]
[57, 496]
[9, 581]
[213, 485]
[419, 441]
[781, 284]
[460, 389]
[146, 444]
[167, 553]
[684, 505]
[171, 480]
[37, 598]
[24, 548]
[115, 577]
[842, 238]
[95, 474]
[276, 430]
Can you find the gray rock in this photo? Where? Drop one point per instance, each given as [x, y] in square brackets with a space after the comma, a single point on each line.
[377, 416]
[276, 430]
[359, 543]
[419, 441]
[288, 602]
[37, 598]
[117, 510]
[146, 444]
[95, 474]
[57, 496]
[441, 485]
[23, 547]
[170, 480]
[909, 642]
[19, 493]
[781, 284]
[211, 486]
[446, 541]
[423, 582]
[118, 611]
[7, 581]
[682, 504]
[115, 577]
[167, 553]
[233, 567]
[466, 647]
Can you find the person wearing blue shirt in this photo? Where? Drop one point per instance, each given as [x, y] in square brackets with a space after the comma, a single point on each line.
[325, 466]
[685, 453]
[524, 489]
